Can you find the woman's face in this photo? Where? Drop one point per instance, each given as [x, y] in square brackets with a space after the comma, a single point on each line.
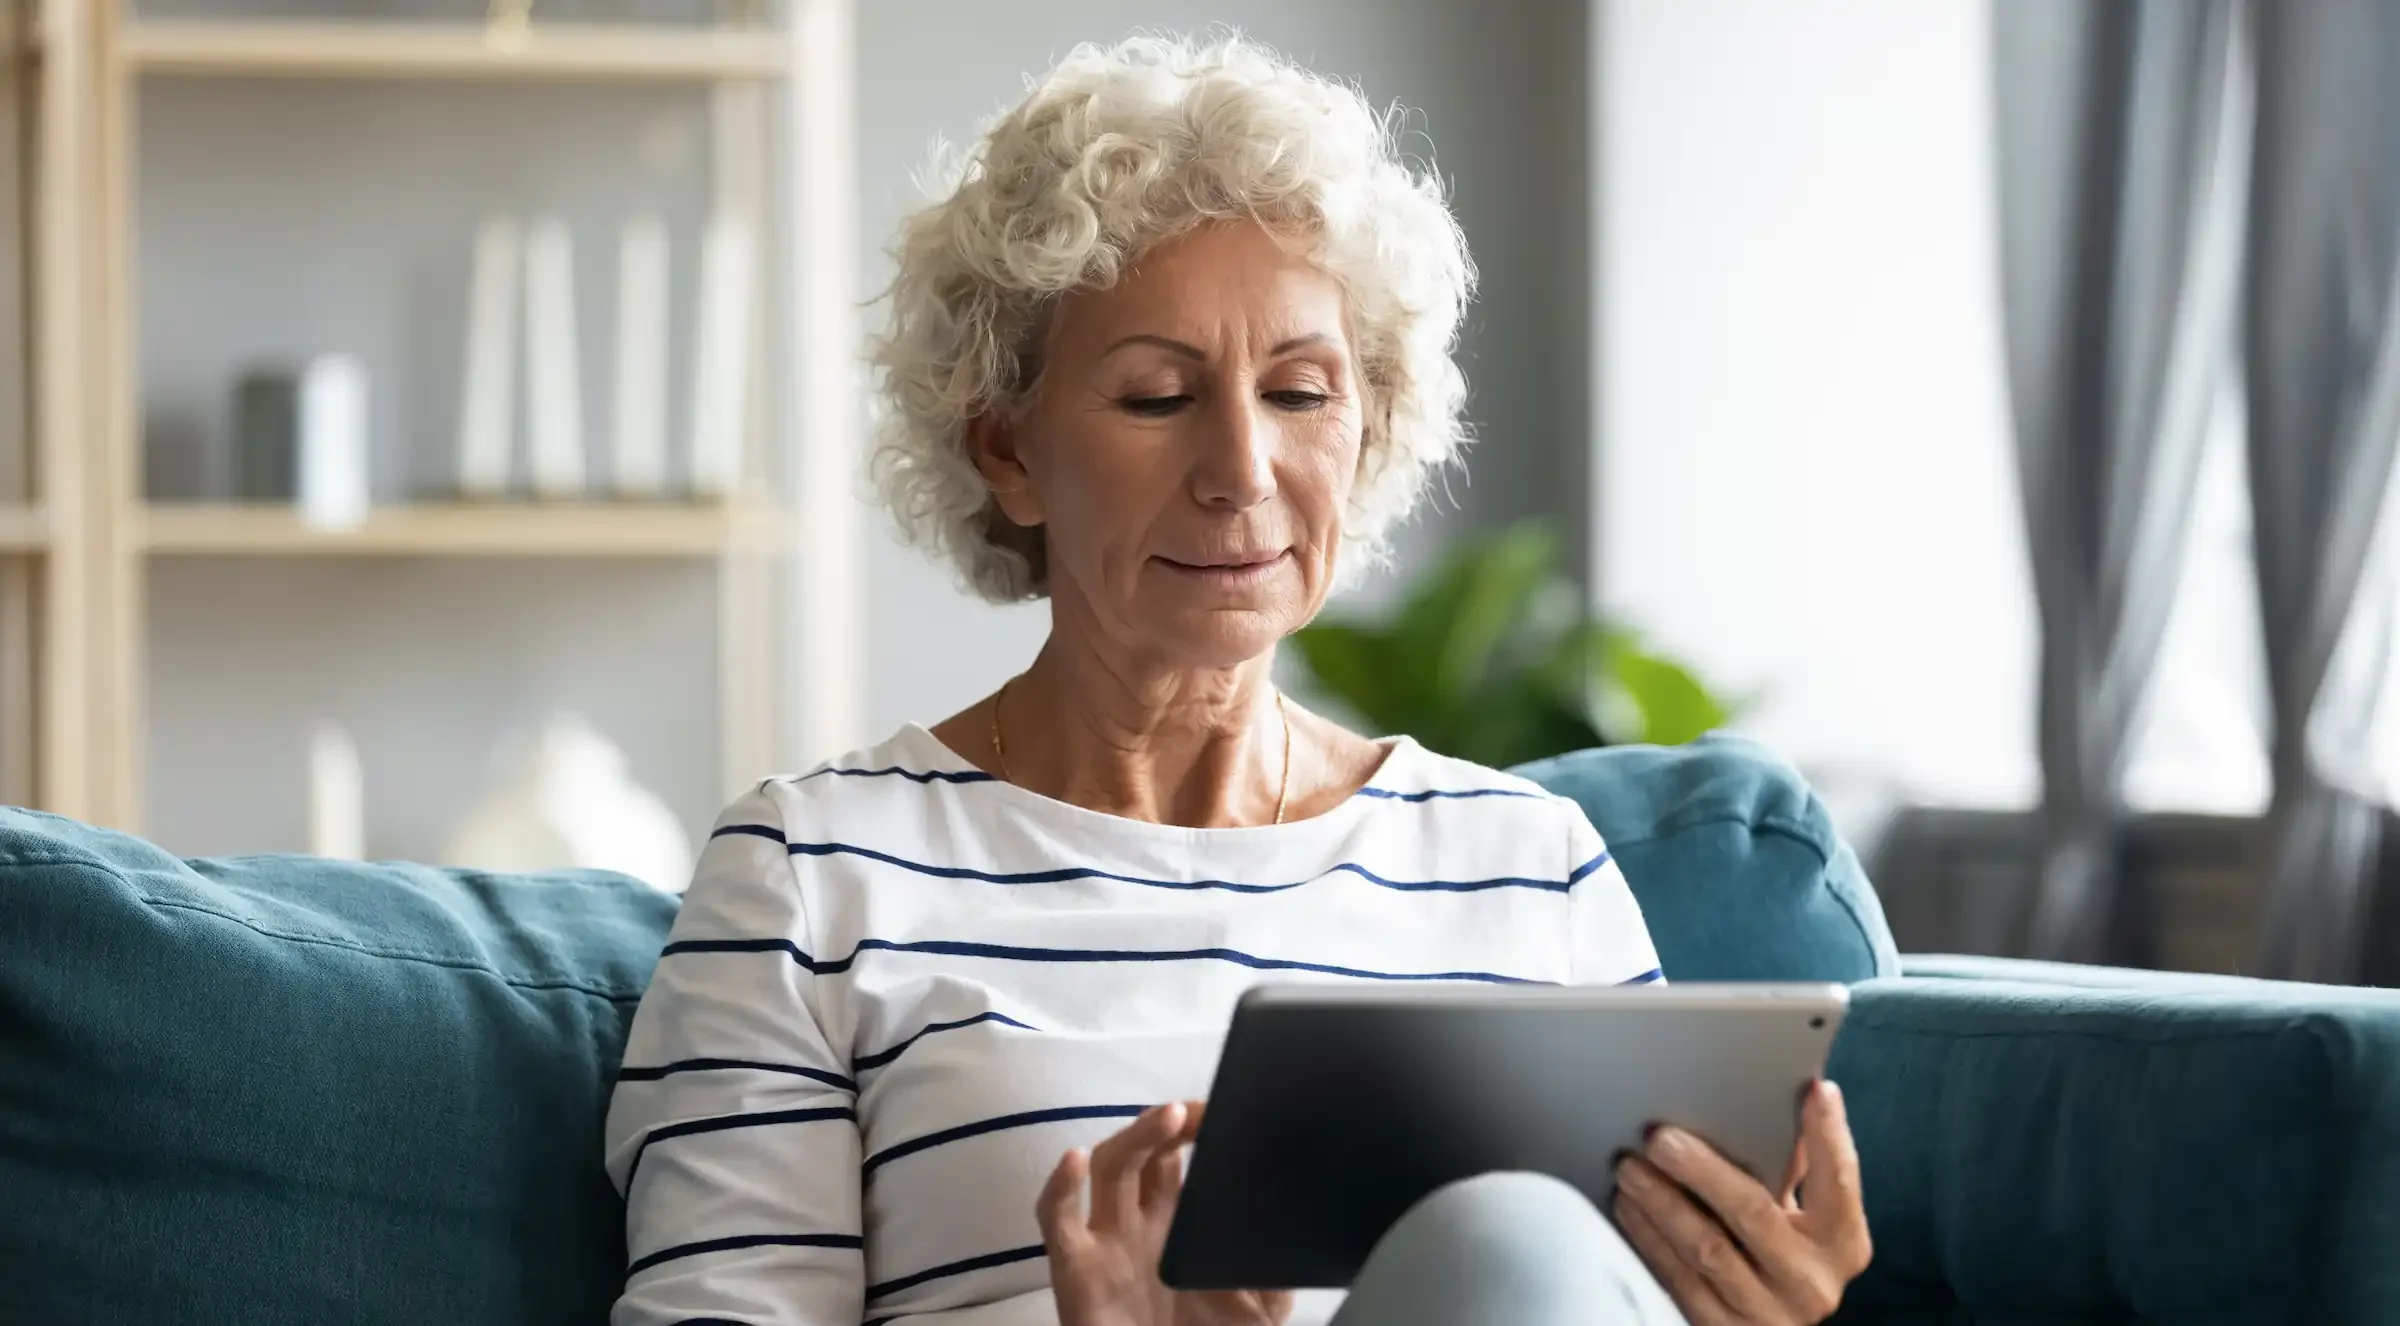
[1189, 450]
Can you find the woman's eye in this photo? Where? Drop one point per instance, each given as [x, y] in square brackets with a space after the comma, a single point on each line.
[1155, 407]
[1298, 400]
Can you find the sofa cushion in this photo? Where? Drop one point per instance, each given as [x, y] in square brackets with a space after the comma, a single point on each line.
[2124, 1147]
[1739, 872]
[277, 1090]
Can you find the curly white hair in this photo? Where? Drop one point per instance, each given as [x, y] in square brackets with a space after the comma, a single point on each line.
[1115, 151]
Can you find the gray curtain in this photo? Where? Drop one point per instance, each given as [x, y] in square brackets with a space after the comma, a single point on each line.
[2122, 136]
[2322, 336]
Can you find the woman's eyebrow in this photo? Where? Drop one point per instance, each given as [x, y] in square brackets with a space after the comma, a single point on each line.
[1167, 343]
[1197, 355]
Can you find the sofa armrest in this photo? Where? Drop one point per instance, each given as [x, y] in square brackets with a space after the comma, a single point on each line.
[2030, 971]
[2095, 1145]
[1736, 864]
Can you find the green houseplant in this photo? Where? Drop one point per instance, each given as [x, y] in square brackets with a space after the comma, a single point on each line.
[1492, 656]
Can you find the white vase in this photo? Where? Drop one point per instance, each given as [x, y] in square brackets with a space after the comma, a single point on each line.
[566, 798]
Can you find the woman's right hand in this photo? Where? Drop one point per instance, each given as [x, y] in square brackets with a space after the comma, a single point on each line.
[1104, 1261]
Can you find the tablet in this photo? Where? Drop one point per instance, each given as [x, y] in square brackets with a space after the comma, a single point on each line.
[1336, 1108]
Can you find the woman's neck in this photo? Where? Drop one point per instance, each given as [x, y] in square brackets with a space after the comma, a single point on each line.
[1202, 747]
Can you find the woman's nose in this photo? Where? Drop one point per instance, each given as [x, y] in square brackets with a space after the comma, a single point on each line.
[1236, 468]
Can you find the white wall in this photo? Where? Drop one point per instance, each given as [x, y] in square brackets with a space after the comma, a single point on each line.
[1806, 483]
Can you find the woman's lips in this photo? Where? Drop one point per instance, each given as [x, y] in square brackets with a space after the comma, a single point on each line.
[1226, 575]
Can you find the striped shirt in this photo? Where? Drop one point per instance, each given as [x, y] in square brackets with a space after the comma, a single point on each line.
[900, 989]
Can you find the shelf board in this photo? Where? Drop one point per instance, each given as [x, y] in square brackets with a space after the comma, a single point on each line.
[496, 530]
[360, 49]
[23, 528]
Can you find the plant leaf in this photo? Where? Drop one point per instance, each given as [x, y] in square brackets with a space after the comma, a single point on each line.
[1674, 706]
[1491, 657]
[1519, 723]
[1455, 626]
[1354, 665]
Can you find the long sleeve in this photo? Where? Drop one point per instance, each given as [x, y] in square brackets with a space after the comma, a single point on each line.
[1611, 943]
[733, 1132]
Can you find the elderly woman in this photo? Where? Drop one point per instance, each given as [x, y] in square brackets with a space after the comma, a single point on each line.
[1174, 354]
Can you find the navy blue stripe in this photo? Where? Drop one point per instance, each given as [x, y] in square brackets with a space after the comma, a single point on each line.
[1584, 871]
[986, 1261]
[754, 830]
[1001, 1124]
[724, 1122]
[912, 775]
[784, 946]
[708, 1065]
[881, 1057]
[1064, 873]
[1442, 794]
[962, 949]
[1644, 979]
[681, 1250]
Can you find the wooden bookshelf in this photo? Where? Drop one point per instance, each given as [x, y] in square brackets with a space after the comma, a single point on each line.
[332, 49]
[47, 749]
[23, 529]
[82, 545]
[593, 530]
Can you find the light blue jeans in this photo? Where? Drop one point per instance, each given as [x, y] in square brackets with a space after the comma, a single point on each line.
[1505, 1250]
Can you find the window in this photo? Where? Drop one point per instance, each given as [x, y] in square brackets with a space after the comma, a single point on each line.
[1808, 484]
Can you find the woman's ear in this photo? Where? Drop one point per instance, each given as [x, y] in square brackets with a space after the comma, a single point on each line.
[992, 446]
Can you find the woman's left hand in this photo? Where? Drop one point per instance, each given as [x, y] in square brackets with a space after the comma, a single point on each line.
[1728, 1250]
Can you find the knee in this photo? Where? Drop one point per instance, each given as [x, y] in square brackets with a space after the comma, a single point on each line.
[1503, 1197]
[1525, 1249]
[1503, 1217]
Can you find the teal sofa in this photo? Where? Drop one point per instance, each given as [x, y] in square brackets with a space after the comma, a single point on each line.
[276, 1090]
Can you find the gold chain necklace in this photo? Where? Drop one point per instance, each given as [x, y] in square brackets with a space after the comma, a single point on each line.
[1283, 786]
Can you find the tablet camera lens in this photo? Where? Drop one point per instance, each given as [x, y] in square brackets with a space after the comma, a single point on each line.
[1818, 1023]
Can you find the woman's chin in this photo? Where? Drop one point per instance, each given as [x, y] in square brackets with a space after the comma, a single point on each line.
[1215, 637]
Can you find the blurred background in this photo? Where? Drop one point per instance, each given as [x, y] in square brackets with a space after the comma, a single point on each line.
[422, 418]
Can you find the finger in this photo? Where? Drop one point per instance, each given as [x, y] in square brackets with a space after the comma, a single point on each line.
[1177, 1146]
[1117, 1164]
[1795, 1170]
[1700, 1239]
[1835, 1215]
[1059, 1210]
[1740, 1202]
[1701, 1304]
[1795, 1173]
[1162, 1179]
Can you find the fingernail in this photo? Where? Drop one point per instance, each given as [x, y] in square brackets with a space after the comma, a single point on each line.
[1833, 1093]
[1670, 1141]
